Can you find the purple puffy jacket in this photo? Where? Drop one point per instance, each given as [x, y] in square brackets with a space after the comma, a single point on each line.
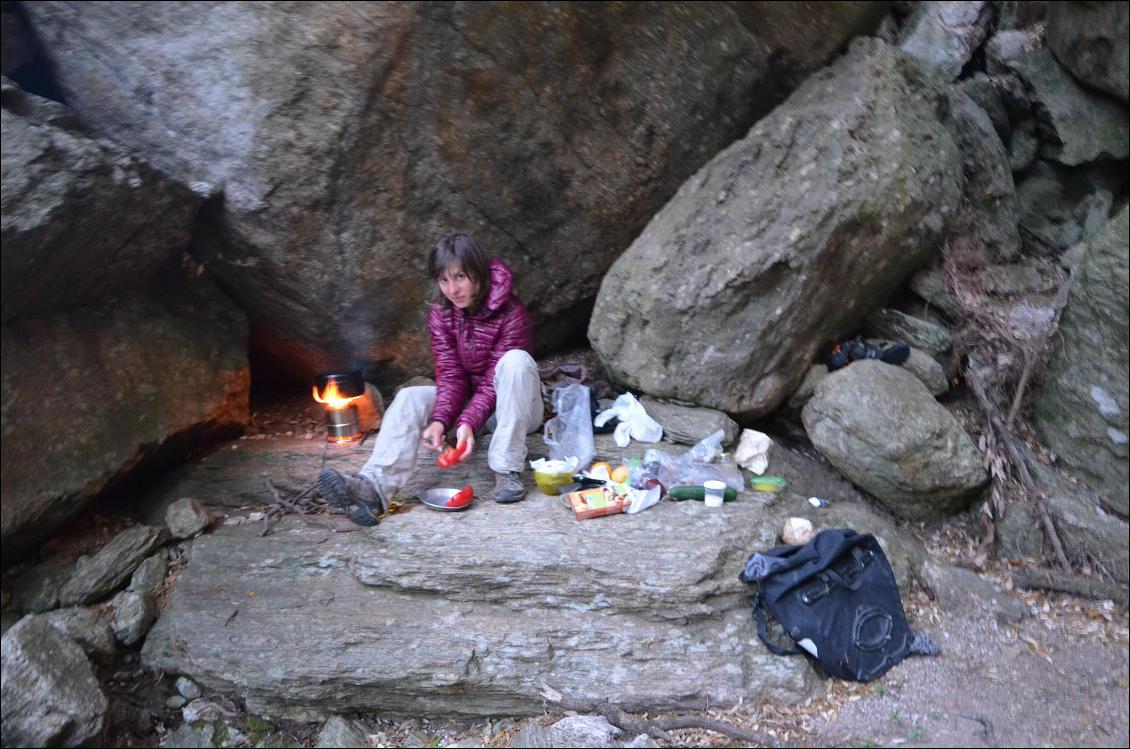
[466, 348]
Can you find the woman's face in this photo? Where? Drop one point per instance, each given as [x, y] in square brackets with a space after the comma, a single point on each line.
[457, 286]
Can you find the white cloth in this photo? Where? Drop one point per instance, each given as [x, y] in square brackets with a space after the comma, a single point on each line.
[518, 411]
[753, 451]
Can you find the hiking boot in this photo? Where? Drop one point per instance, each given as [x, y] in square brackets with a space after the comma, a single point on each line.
[353, 495]
[508, 488]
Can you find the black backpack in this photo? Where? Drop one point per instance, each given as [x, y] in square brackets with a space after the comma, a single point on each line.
[836, 598]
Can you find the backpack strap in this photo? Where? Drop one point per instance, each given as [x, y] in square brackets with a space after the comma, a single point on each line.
[762, 630]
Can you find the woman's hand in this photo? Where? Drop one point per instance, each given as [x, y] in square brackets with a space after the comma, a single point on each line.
[465, 436]
[432, 437]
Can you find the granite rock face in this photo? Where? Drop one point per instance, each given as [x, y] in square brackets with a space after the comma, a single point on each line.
[92, 394]
[1083, 407]
[370, 129]
[1082, 126]
[1091, 40]
[946, 34]
[83, 219]
[720, 301]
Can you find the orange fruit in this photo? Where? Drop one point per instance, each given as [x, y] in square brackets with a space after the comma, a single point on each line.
[620, 474]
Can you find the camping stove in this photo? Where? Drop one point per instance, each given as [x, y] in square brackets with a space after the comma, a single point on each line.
[336, 391]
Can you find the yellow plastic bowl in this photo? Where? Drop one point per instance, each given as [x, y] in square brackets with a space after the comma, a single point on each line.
[550, 483]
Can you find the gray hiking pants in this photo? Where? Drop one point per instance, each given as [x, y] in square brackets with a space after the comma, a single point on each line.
[517, 412]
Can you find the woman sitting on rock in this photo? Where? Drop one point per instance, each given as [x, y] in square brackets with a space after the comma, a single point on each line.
[486, 381]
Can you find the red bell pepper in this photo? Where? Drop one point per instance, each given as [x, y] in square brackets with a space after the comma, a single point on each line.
[452, 456]
[462, 497]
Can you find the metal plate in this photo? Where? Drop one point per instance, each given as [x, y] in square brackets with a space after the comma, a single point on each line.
[436, 499]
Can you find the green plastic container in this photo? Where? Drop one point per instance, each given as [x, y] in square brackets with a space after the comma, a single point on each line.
[767, 483]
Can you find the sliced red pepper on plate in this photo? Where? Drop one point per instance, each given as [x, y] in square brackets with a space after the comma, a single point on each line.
[462, 497]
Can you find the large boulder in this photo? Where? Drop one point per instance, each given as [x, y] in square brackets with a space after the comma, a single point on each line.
[93, 395]
[474, 613]
[370, 129]
[848, 185]
[1080, 125]
[1091, 40]
[880, 427]
[50, 695]
[1082, 409]
[82, 219]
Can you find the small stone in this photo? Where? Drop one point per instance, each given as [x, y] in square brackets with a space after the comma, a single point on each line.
[340, 732]
[186, 518]
[133, 615]
[201, 710]
[643, 741]
[188, 688]
[149, 575]
[583, 730]
[176, 702]
[95, 576]
[194, 737]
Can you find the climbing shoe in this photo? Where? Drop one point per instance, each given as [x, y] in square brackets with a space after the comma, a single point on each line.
[890, 352]
[894, 352]
[508, 488]
[353, 495]
[838, 359]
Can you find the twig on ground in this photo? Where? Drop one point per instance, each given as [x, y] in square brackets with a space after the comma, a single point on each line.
[295, 508]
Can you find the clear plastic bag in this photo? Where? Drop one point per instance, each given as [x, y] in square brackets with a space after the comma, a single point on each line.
[707, 449]
[569, 433]
[702, 462]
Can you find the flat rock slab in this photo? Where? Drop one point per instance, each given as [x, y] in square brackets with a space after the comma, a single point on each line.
[471, 613]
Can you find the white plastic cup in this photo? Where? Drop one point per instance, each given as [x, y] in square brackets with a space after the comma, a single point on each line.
[715, 492]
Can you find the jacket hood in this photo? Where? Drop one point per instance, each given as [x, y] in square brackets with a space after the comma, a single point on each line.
[501, 285]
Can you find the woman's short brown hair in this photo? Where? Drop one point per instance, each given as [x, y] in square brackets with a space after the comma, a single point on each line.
[459, 247]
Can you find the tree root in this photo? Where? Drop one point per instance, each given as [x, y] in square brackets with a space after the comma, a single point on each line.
[656, 728]
[1017, 460]
[1074, 584]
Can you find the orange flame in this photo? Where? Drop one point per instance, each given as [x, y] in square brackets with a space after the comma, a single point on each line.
[333, 397]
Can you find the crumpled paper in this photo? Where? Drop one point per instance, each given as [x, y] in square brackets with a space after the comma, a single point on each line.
[634, 424]
[753, 451]
[643, 499]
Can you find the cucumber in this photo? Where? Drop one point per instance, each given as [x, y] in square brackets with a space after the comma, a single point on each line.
[679, 493]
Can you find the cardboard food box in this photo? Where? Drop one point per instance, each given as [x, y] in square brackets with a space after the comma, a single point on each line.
[598, 501]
